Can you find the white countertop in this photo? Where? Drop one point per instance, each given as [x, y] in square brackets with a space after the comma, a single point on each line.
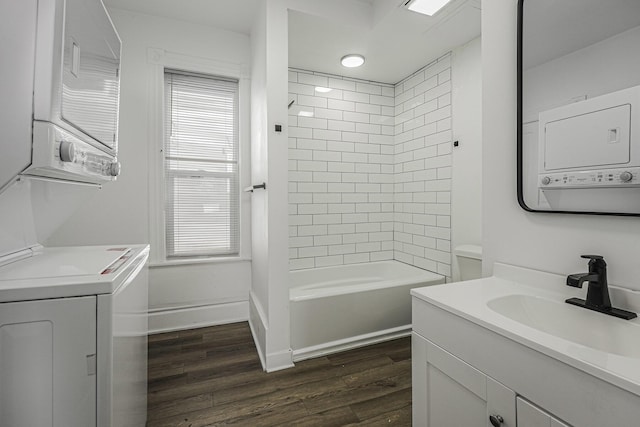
[62, 272]
[469, 300]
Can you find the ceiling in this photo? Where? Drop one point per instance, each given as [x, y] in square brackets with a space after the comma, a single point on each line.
[395, 41]
[232, 15]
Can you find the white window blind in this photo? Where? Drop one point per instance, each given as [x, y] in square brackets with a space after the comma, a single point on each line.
[201, 165]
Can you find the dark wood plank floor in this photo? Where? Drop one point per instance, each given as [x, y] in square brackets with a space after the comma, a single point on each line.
[212, 377]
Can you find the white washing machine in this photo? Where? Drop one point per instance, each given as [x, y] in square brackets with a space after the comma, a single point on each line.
[73, 337]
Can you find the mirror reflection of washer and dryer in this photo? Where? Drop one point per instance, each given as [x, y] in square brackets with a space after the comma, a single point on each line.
[579, 106]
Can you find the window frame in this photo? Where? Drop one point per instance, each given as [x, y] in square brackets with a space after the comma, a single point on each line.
[173, 177]
[162, 62]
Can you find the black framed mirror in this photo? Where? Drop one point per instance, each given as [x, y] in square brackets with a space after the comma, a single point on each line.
[579, 106]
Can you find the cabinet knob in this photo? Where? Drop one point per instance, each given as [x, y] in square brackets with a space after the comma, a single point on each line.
[496, 420]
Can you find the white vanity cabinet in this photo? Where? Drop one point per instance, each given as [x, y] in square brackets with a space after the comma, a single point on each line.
[530, 415]
[48, 363]
[470, 361]
[449, 392]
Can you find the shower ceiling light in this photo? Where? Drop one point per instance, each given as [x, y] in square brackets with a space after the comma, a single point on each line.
[426, 7]
[352, 60]
[321, 89]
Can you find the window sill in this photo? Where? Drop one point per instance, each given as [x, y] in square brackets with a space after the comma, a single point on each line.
[198, 261]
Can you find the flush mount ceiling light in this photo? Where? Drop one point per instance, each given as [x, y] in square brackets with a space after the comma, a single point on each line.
[352, 60]
[426, 7]
[321, 89]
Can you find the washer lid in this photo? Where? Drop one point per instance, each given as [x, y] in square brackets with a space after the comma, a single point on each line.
[65, 262]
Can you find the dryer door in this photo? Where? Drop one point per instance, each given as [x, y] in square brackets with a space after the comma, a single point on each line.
[90, 82]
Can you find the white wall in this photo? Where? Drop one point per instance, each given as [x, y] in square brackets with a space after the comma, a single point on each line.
[269, 304]
[179, 296]
[259, 297]
[549, 242]
[466, 180]
[278, 348]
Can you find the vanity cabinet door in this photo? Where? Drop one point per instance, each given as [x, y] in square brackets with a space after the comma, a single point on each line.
[530, 415]
[449, 392]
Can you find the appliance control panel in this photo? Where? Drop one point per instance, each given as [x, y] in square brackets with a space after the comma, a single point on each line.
[59, 154]
[602, 178]
[72, 156]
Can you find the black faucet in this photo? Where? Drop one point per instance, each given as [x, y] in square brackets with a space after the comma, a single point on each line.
[598, 292]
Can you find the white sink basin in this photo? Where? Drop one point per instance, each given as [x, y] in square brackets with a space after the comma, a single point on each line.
[575, 324]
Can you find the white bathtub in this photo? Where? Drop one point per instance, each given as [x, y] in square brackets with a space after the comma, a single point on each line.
[347, 306]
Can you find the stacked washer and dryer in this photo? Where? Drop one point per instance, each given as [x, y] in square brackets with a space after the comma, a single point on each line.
[73, 320]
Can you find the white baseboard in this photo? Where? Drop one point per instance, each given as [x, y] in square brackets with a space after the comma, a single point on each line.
[167, 320]
[271, 362]
[351, 343]
[279, 361]
[258, 326]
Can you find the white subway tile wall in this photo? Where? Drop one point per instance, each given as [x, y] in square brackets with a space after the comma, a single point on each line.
[341, 174]
[370, 169]
[422, 166]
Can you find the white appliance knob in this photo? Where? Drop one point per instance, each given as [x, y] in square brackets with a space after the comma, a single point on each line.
[114, 169]
[626, 176]
[546, 180]
[67, 151]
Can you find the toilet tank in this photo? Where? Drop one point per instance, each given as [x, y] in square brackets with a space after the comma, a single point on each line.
[469, 261]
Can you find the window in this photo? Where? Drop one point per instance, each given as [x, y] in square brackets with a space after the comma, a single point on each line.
[201, 165]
